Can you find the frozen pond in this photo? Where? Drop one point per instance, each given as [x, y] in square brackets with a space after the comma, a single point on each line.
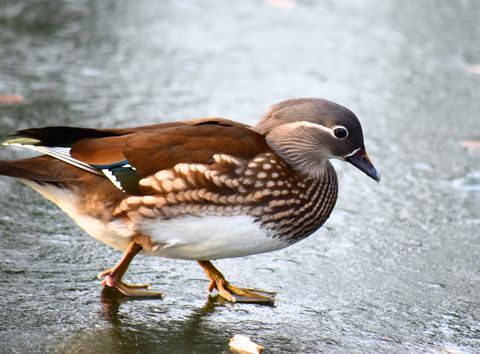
[395, 269]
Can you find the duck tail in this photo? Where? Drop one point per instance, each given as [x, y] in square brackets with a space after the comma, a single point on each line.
[33, 169]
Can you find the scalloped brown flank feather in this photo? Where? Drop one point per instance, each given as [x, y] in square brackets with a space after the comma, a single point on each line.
[264, 187]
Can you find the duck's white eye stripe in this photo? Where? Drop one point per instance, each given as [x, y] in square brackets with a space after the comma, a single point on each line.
[313, 125]
[337, 131]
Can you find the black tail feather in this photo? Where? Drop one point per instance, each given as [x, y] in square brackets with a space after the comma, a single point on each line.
[61, 136]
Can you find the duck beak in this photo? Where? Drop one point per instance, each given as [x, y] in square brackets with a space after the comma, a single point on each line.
[360, 160]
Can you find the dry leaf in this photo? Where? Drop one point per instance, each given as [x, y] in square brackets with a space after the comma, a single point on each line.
[243, 344]
[475, 69]
[6, 99]
[471, 144]
[281, 4]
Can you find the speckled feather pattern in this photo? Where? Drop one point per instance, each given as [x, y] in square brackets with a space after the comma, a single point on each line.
[280, 199]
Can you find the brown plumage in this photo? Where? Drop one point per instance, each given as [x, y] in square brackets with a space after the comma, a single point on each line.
[149, 189]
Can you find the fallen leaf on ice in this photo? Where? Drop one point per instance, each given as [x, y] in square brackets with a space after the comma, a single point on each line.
[281, 4]
[475, 69]
[10, 99]
[471, 144]
[243, 344]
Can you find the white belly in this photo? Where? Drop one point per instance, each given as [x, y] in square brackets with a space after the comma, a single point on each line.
[194, 238]
[210, 237]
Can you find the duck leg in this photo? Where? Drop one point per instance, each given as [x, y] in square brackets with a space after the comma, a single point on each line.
[113, 277]
[230, 292]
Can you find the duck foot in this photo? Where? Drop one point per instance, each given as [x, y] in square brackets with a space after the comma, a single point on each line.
[233, 293]
[113, 277]
[110, 279]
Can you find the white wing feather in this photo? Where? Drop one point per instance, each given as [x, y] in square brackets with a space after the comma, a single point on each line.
[61, 153]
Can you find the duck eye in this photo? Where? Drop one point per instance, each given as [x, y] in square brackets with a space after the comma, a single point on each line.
[340, 132]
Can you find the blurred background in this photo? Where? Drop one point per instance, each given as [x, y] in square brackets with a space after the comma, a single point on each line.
[395, 269]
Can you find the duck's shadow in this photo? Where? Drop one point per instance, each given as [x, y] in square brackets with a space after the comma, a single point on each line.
[192, 333]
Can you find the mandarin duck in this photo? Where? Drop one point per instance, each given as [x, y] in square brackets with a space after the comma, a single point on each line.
[201, 189]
